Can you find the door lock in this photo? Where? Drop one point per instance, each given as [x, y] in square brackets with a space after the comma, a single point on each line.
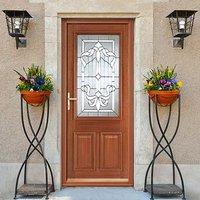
[70, 99]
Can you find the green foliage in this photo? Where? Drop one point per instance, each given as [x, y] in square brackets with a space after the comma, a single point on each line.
[35, 71]
[35, 79]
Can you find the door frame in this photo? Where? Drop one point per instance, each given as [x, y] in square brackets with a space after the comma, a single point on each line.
[64, 70]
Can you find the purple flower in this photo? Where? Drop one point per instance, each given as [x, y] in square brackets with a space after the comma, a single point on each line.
[174, 81]
[40, 81]
[162, 81]
[167, 84]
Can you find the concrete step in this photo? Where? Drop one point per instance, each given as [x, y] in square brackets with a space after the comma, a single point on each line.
[94, 193]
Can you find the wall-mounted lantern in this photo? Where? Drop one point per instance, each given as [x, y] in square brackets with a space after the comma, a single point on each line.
[181, 22]
[17, 23]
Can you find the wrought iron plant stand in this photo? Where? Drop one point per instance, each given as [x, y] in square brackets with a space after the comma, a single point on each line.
[164, 190]
[35, 146]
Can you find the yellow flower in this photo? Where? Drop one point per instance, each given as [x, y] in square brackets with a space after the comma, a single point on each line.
[150, 83]
[180, 83]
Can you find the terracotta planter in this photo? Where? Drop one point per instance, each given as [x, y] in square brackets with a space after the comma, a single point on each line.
[35, 98]
[164, 98]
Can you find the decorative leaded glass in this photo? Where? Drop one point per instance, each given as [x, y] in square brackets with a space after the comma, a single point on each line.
[98, 75]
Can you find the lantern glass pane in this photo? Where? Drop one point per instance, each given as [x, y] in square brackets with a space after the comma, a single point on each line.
[17, 26]
[182, 24]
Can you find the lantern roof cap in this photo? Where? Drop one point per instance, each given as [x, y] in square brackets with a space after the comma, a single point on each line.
[182, 13]
[17, 13]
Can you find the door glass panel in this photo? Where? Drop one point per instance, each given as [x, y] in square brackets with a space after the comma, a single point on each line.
[98, 75]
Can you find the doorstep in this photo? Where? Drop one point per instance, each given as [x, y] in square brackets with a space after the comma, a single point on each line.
[94, 193]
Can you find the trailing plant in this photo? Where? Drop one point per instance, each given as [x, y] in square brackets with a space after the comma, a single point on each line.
[161, 78]
[35, 79]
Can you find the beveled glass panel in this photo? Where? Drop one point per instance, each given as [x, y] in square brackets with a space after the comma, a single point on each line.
[98, 75]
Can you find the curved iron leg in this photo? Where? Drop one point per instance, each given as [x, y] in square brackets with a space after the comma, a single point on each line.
[32, 141]
[31, 144]
[40, 146]
[158, 141]
[46, 164]
[171, 156]
[39, 142]
[155, 152]
[35, 147]
[164, 137]
[164, 148]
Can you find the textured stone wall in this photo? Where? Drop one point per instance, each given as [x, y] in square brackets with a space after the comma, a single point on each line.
[187, 60]
[12, 142]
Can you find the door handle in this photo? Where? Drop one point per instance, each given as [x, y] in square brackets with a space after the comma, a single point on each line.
[70, 99]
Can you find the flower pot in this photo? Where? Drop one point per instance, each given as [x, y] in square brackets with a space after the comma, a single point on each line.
[35, 98]
[164, 98]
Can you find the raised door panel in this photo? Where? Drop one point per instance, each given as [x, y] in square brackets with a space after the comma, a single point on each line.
[110, 151]
[84, 151]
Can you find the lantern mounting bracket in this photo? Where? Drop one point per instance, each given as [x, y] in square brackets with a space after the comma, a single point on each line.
[178, 42]
[20, 42]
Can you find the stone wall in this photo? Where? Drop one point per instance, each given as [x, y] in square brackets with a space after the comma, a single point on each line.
[187, 60]
[13, 143]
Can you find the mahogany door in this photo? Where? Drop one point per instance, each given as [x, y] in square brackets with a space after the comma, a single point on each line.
[97, 102]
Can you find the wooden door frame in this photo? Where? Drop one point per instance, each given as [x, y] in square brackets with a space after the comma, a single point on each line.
[130, 83]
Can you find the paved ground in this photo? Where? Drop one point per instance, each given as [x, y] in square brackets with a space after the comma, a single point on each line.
[93, 194]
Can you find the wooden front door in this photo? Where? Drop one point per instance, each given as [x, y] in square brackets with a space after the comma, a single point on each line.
[97, 102]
